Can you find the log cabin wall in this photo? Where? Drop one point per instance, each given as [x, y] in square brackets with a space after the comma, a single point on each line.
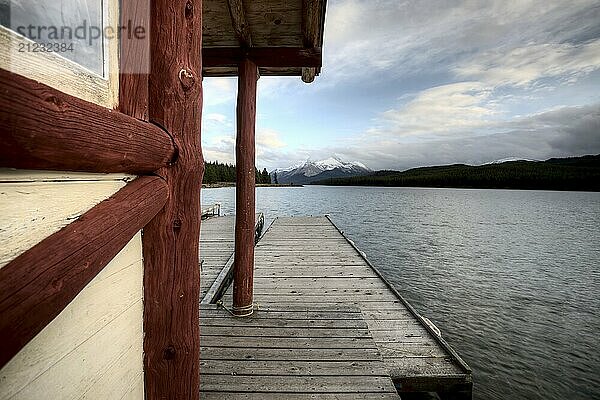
[94, 347]
[82, 296]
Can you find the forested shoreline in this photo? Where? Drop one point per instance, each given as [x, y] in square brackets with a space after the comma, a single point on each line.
[216, 172]
[574, 173]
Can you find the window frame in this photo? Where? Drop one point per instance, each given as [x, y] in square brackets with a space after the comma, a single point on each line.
[65, 75]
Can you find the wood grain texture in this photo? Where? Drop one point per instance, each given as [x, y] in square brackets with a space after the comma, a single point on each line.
[43, 128]
[36, 205]
[171, 271]
[311, 15]
[37, 285]
[231, 395]
[109, 309]
[239, 23]
[285, 368]
[263, 56]
[61, 73]
[217, 238]
[76, 376]
[245, 197]
[284, 357]
[10, 175]
[135, 60]
[298, 263]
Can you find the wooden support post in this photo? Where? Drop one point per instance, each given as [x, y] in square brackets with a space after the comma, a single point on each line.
[134, 60]
[243, 275]
[170, 241]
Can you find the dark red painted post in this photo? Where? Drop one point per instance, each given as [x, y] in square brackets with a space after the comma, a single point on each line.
[171, 270]
[243, 272]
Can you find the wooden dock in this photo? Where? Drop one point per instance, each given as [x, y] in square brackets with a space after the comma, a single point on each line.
[216, 248]
[289, 352]
[217, 244]
[328, 325]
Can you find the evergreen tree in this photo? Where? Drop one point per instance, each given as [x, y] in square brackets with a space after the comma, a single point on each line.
[266, 177]
[216, 172]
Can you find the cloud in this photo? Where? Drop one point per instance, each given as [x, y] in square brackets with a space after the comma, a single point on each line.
[525, 65]
[219, 148]
[399, 38]
[494, 56]
[560, 132]
[216, 117]
[269, 138]
[270, 149]
[219, 90]
[441, 110]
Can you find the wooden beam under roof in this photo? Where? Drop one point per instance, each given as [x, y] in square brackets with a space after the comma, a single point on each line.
[239, 22]
[262, 56]
[311, 22]
[262, 24]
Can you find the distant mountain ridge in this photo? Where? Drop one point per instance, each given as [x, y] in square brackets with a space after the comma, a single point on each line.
[311, 171]
[572, 173]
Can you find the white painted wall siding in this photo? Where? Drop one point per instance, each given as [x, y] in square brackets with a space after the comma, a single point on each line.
[94, 348]
[34, 205]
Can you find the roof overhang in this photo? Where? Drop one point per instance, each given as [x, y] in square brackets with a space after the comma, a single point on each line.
[283, 37]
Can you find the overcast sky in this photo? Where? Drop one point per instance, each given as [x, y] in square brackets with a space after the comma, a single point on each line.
[415, 83]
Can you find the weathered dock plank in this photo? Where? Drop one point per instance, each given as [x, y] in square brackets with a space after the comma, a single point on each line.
[216, 247]
[298, 396]
[307, 262]
[290, 352]
[298, 384]
[280, 332]
[300, 367]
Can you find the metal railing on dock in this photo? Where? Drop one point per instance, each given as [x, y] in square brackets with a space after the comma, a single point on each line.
[212, 211]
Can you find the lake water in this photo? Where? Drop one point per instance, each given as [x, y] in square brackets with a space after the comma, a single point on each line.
[510, 277]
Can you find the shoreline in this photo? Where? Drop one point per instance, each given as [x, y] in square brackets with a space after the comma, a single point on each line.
[232, 184]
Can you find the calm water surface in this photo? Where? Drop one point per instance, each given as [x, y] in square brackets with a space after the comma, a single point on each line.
[510, 277]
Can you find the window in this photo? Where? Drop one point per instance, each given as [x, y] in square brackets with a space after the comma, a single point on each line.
[70, 45]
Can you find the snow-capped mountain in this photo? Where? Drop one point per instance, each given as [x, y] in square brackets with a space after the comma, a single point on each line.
[508, 159]
[312, 171]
